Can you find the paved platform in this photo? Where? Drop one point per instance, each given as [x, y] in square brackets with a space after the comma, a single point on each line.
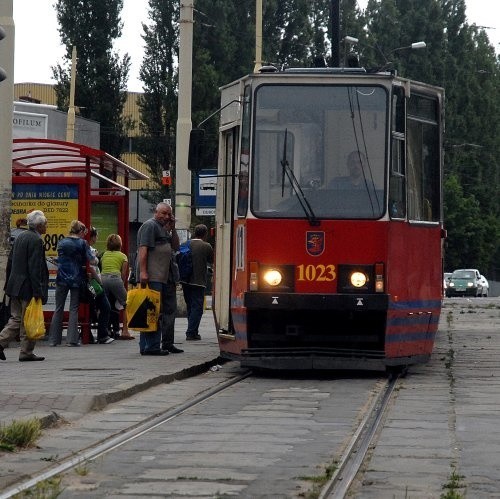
[71, 382]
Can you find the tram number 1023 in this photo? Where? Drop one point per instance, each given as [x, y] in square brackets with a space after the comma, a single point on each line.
[320, 272]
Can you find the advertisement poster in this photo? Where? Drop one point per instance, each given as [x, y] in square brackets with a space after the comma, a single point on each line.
[59, 203]
[105, 220]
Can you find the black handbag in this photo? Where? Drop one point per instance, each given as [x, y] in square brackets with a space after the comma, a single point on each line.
[85, 294]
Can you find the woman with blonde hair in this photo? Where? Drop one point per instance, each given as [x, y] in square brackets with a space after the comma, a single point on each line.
[114, 276]
[73, 253]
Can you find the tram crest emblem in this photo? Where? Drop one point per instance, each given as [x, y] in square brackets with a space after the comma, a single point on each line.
[315, 242]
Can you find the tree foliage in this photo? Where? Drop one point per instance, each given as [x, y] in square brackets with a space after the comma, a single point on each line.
[458, 57]
[101, 77]
[158, 104]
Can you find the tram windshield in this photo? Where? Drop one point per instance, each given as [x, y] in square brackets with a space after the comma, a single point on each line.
[328, 142]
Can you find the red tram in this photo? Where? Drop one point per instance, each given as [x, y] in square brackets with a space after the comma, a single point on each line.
[329, 219]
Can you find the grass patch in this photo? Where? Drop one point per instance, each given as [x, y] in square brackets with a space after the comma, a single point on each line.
[82, 469]
[449, 319]
[20, 434]
[318, 482]
[452, 487]
[46, 489]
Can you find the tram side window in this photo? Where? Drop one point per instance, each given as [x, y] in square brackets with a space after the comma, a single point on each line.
[229, 140]
[423, 161]
[397, 182]
[242, 203]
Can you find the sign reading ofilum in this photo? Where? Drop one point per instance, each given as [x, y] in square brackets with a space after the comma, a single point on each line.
[29, 125]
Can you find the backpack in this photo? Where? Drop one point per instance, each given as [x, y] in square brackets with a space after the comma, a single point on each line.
[185, 261]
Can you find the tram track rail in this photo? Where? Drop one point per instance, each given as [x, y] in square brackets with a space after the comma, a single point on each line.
[117, 440]
[355, 453]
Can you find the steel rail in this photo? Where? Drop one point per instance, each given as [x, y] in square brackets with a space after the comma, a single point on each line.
[355, 453]
[123, 437]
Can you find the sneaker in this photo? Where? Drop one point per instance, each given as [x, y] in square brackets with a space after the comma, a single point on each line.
[193, 337]
[106, 341]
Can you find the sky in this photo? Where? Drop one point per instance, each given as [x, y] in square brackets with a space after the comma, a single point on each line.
[37, 43]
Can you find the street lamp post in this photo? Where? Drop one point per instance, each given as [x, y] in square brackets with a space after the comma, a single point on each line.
[184, 125]
[6, 111]
[258, 36]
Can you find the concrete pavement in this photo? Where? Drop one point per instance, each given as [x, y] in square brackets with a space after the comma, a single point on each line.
[443, 422]
[71, 382]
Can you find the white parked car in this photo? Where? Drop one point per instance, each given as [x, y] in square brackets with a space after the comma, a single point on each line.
[446, 281]
[485, 285]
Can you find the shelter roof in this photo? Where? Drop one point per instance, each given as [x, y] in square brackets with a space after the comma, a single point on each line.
[39, 156]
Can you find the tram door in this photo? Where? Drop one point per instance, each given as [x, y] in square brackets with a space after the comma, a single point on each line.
[224, 229]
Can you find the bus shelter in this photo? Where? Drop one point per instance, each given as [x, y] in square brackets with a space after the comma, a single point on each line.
[69, 181]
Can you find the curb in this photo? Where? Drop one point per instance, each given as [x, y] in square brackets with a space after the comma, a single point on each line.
[83, 405]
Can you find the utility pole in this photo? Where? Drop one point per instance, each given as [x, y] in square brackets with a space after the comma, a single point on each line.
[258, 36]
[184, 125]
[6, 112]
[335, 33]
[70, 125]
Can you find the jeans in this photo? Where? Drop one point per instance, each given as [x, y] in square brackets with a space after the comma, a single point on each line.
[56, 326]
[194, 297]
[164, 335]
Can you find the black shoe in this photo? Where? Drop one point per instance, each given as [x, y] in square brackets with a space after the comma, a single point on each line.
[29, 357]
[155, 352]
[2, 355]
[193, 337]
[174, 349]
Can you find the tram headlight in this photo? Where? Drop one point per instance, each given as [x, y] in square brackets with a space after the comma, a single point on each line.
[273, 277]
[264, 277]
[358, 279]
[354, 278]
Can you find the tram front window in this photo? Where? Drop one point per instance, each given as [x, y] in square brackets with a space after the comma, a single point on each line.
[327, 140]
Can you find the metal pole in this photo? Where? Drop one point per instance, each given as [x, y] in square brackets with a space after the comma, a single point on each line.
[70, 126]
[335, 33]
[6, 114]
[258, 36]
[184, 125]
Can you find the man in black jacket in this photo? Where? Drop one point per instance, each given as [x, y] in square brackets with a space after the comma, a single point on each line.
[193, 288]
[29, 278]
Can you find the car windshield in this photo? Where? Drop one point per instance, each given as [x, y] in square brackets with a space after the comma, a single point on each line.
[463, 274]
